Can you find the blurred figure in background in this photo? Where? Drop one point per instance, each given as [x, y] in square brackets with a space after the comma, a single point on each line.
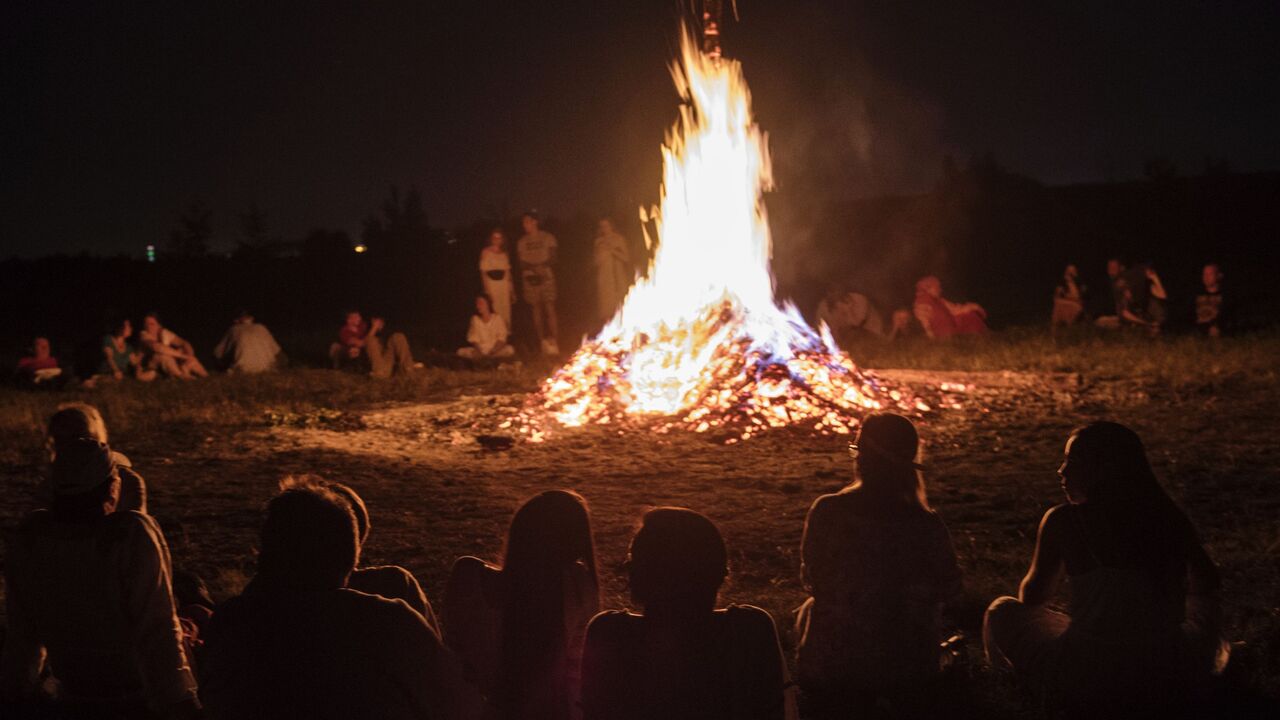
[1119, 284]
[1068, 300]
[519, 628]
[495, 274]
[1143, 618]
[248, 347]
[88, 591]
[537, 252]
[358, 342]
[878, 564]
[682, 658]
[851, 316]
[40, 369]
[1213, 312]
[614, 274]
[348, 351]
[487, 334]
[942, 318]
[120, 359]
[168, 352]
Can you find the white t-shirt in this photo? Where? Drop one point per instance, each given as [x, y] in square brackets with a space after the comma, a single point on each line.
[486, 336]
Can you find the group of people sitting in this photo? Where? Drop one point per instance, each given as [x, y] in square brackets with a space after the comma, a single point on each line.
[92, 612]
[1140, 301]
[852, 318]
[247, 347]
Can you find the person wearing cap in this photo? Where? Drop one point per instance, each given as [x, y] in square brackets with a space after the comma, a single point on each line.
[248, 347]
[75, 421]
[878, 564]
[89, 597]
[536, 250]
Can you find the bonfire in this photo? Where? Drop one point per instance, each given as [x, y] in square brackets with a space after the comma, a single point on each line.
[700, 341]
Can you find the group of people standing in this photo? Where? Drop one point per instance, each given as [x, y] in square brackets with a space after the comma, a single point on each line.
[94, 601]
[536, 253]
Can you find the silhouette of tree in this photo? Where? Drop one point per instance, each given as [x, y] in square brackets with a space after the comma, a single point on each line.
[253, 231]
[191, 237]
[402, 228]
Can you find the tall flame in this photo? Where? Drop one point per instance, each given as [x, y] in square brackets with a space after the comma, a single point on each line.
[700, 340]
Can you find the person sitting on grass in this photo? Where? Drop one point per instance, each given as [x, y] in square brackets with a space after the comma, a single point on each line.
[487, 335]
[942, 318]
[878, 564]
[519, 628]
[76, 421]
[168, 352]
[682, 658]
[248, 347]
[297, 643]
[389, 581]
[40, 369]
[1068, 300]
[88, 592]
[358, 340]
[120, 359]
[1141, 626]
[1213, 311]
[850, 316]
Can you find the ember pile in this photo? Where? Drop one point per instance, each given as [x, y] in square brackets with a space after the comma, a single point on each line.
[700, 341]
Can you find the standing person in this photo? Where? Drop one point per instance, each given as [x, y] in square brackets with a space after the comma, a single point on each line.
[495, 274]
[119, 357]
[682, 658]
[613, 269]
[89, 594]
[519, 628]
[487, 334]
[297, 643]
[248, 347]
[1212, 310]
[537, 252]
[878, 564]
[1142, 619]
[1068, 299]
[168, 352]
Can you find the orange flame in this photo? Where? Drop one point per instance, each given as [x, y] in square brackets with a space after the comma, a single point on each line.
[700, 342]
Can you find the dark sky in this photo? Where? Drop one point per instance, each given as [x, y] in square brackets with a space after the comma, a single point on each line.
[118, 115]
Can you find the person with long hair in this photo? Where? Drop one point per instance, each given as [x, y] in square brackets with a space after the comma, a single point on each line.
[518, 628]
[119, 358]
[495, 274]
[681, 658]
[1141, 622]
[879, 565]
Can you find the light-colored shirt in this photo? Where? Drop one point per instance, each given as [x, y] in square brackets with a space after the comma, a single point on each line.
[251, 347]
[486, 336]
[95, 601]
[537, 248]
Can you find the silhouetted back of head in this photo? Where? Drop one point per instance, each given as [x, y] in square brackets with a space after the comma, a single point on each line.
[550, 530]
[308, 540]
[73, 421]
[887, 468]
[678, 560]
[83, 480]
[358, 508]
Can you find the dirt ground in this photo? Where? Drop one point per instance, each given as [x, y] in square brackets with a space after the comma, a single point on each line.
[434, 493]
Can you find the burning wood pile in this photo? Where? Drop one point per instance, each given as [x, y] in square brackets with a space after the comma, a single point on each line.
[700, 342]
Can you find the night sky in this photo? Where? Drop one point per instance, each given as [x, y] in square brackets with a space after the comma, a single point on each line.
[116, 118]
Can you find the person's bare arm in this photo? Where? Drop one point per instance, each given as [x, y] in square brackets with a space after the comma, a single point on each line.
[1157, 287]
[111, 361]
[923, 314]
[1046, 565]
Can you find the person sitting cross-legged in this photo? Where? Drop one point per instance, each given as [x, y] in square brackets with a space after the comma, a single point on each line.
[89, 596]
[297, 643]
[389, 581]
[681, 658]
[248, 347]
[878, 564]
[1141, 626]
[487, 335]
[168, 352]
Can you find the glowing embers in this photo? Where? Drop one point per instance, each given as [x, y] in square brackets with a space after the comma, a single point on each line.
[700, 342]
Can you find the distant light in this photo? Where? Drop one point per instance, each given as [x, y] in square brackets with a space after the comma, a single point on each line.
[360, 248]
[151, 253]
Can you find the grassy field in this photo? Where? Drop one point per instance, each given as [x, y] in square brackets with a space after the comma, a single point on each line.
[212, 452]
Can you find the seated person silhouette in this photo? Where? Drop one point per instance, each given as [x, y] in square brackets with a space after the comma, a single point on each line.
[680, 657]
